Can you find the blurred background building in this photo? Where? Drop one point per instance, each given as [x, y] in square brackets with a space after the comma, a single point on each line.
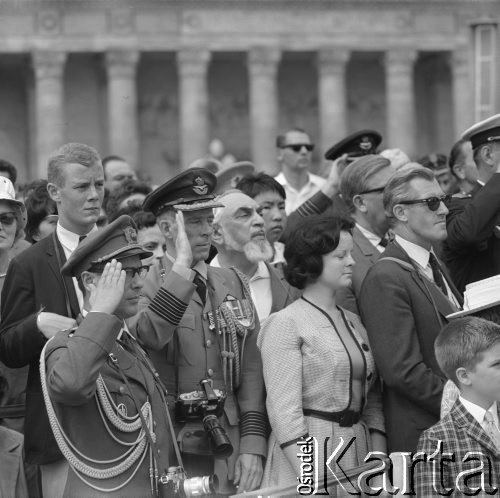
[156, 80]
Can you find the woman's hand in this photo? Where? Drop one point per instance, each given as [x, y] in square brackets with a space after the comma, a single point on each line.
[107, 294]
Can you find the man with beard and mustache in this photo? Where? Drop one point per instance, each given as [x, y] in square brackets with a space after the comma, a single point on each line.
[240, 238]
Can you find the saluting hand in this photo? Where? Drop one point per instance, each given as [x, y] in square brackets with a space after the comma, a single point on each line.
[182, 245]
[107, 294]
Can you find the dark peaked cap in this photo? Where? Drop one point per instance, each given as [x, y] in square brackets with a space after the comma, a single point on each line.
[190, 190]
[117, 240]
[357, 144]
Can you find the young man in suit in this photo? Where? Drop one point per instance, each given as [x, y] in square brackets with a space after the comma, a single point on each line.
[240, 238]
[37, 301]
[199, 323]
[362, 186]
[468, 352]
[404, 301]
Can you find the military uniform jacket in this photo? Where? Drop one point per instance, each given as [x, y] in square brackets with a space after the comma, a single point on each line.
[460, 434]
[472, 249]
[74, 359]
[174, 325]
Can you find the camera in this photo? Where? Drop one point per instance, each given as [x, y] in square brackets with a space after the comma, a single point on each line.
[174, 483]
[207, 406]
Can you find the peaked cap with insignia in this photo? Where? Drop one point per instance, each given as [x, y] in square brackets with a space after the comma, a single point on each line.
[355, 145]
[117, 240]
[483, 132]
[190, 190]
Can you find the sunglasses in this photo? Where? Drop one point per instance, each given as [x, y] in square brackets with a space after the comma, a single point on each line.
[7, 219]
[433, 203]
[298, 147]
[373, 190]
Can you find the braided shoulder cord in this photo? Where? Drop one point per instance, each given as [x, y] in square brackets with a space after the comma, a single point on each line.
[136, 454]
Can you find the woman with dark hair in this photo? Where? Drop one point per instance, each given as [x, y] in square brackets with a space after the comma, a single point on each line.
[41, 212]
[318, 367]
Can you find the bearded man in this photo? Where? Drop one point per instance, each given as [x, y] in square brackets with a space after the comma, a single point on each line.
[240, 238]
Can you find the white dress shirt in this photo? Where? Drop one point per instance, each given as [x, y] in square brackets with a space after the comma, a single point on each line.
[478, 412]
[372, 238]
[260, 288]
[294, 198]
[420, 256]
[69, 242]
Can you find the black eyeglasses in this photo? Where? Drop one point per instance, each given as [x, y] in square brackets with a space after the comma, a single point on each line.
[298, 147]
[373, 190]
[433, 203]
[7, 219]
[142, 271]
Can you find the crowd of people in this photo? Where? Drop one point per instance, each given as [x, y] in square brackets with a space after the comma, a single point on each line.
[185, 339]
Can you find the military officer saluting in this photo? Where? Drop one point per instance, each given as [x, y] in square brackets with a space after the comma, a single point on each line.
[202, 325]
[96, 378]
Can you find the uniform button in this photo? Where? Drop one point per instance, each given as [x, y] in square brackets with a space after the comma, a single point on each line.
[369, 376]
[154, 422]
[365, 347]
[122, 389]
[208, 343]
[210, 372]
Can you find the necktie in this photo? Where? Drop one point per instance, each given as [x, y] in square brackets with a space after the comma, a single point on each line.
[491, 429]
[201, 287]
[82, 237]
[384, 241]
[437, 275]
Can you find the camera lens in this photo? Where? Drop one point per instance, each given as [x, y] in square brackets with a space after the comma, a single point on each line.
[221, 446]
[199, 486]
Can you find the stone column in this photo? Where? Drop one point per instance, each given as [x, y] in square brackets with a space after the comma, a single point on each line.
[332, 95]
[461, 68]
[123, 134]
[49, 105]
[193, 104]
[264, 108]
[400, 95]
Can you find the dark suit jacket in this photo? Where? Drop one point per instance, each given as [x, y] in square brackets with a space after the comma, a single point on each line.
[460, 433]
[365, 255]
[33, 282]
[283, 293]
[472, 248]
[396, 304]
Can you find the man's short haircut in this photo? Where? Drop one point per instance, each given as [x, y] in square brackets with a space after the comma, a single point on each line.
[126, 189]
[398, 188]
[253, 185]
[462, 342]
[280, 139]
[144, 219]
[68, 154]
[6, 167]
[355, 177]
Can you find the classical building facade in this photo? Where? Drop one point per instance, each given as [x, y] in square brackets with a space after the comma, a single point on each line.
[155, 80]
